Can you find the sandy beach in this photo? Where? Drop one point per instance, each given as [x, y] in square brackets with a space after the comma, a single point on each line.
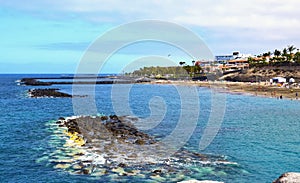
[262, 89]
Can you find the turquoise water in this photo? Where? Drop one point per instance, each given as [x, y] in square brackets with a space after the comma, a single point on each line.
[261, 135]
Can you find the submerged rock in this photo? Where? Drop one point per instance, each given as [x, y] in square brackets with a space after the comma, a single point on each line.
[290, 177]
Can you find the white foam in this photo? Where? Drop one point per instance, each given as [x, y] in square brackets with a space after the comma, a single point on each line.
[226, 163]
[72, 117]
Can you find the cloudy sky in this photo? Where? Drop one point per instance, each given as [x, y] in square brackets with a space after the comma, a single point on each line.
[46, 36]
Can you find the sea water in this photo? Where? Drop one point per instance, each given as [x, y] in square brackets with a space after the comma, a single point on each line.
[261, 136]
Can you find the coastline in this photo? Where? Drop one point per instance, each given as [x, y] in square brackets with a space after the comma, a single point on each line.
[62, 163]
[113, 148]
[261, 89]
[256, 89]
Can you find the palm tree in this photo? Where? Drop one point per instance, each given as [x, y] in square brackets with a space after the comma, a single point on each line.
[267, 54]
[277, 53]
[291, 48]
[284, 51]
[285, 54]
[297, 57]
[181, 63]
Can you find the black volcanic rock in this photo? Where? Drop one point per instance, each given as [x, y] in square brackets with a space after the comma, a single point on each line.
[112, 144]
[34, 82]
[108, 127]
[50, 92]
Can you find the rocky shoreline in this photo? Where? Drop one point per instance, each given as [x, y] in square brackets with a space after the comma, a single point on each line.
[115, 80]
[289, 177]
[48, 92]
[111, 146]
[110, 127]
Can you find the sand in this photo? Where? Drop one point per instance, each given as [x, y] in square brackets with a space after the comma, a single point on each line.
[263, 89]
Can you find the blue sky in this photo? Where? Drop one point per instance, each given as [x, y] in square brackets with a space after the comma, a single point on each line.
[51, 36]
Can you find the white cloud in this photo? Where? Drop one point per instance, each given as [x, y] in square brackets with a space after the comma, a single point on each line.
[251, 20]
[208, 13]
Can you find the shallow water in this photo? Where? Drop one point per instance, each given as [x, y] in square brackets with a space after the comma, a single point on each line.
[261, 135]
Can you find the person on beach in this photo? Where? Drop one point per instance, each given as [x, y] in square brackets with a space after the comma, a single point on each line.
[273, 94]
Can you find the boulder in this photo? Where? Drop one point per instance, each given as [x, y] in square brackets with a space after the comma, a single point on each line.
[290, 177]
[61, 118]
[104, 118]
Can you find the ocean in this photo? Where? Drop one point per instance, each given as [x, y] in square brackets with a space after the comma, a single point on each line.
[259, 136]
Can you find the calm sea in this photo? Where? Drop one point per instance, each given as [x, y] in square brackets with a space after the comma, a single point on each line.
[261, 135]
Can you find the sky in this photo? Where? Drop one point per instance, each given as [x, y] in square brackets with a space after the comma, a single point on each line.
[46, 36]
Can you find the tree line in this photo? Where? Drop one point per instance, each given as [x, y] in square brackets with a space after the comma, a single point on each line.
[286, 56]
[172, 71]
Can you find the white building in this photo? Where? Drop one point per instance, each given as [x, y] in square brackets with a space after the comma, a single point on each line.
[278, 80]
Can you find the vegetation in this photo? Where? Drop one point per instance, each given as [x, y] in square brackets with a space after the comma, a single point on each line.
[159, 71]
[285, 57]
[183, 70]
[289, 56]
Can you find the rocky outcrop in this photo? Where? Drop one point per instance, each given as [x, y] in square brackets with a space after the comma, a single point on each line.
[50, 92]
[290, 177]
[34, 82]
[102, 145]
[106, 127]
